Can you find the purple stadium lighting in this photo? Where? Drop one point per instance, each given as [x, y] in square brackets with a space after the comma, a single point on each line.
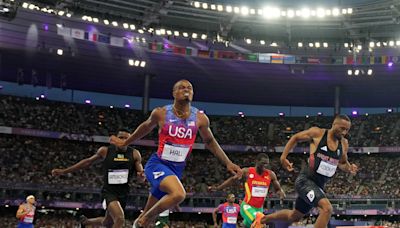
[319, 113]
[281, 114]
[389, 110]
[201, 111]
[37, 98]
[240, 113]
[46, 27]
[1, 87]
[111, 106]
[42, 96]
[87, 101]
[354, 113]
[390, 64]
[307, 116]
[127, 106]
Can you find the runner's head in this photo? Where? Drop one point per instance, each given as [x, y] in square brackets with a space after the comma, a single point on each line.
[124, 134]
[183, 91]
[262, 162]
[230, 198]
[341, 126]
[30, 199]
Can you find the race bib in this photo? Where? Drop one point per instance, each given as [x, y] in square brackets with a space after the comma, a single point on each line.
[118, 176]
[259, 191]
[231, 220]
[326, 169]
[175, 153]
[28, 219]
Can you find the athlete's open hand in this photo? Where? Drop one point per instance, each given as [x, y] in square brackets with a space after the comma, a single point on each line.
[353, 169]
[141, 177]
[57, 172]
[117, 141]
[234, 169]
[212, 188]
[287, 165]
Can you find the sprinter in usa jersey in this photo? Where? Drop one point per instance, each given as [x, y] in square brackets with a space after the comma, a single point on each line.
[178, 125]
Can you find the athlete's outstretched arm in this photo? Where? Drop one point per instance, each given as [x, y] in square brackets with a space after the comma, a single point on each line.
[302, 136]
[231, 180]
[276, 185]
[344, 163]
[83, 164]
[212, 144]
[142, 130]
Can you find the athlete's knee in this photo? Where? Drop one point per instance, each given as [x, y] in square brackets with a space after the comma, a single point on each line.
[325, 206]
[178, 196]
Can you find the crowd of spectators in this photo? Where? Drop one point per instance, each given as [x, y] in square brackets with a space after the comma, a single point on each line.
[29, 160]
[372, 130]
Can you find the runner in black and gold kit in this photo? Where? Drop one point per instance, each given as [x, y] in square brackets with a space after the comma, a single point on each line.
[119, 164]
[328, 150]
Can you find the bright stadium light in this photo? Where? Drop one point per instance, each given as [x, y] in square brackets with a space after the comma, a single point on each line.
[213, 7]
[391, 43]
[106, 22]
[220, 8]
[299, 44]
[248, 41]
[317, 44]
[125, 25]
[328, 12]
[311, 44]
[305, 13]
[236, 9]
[245, 11]
[346, 45]
[203, 36]
[369, 72]
[204, 5]
[372, 44]
[194, 35]
[229, 9]
[357, 72]
[349, 10]
[262, 42]
[325, 44]
[335, 12]
[290, 13]
[114, 23]
[349, 72]
[252, 11]
[196, 4]
[320, 13]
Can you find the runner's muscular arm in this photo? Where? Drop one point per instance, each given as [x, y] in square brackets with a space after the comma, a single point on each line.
[212, 144]
[276, 185]
[142, 130]
[214, 215]
[21, 212]
[138, 165]
[344, 163]
[83, 164]
[303, 136]
[228, 182]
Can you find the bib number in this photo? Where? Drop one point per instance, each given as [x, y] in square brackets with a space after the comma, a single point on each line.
[119, 176]
[175, 153]
[326, 169]
[259, 191]
[28, 219]
[232, 220]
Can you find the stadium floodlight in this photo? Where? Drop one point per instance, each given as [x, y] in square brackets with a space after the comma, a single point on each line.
[305, 12]
[244, 10]
[220, 8]
[204, 5]
[196, 4]
[335, 12]
[391, 43]
[229, 9]
[290, 13]
[125, 25]
[106, 22]
[349, 10]
[248, 41]
[236, 9]
[262, 42]
[299, 44]
[349, 72]
[320, 12]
